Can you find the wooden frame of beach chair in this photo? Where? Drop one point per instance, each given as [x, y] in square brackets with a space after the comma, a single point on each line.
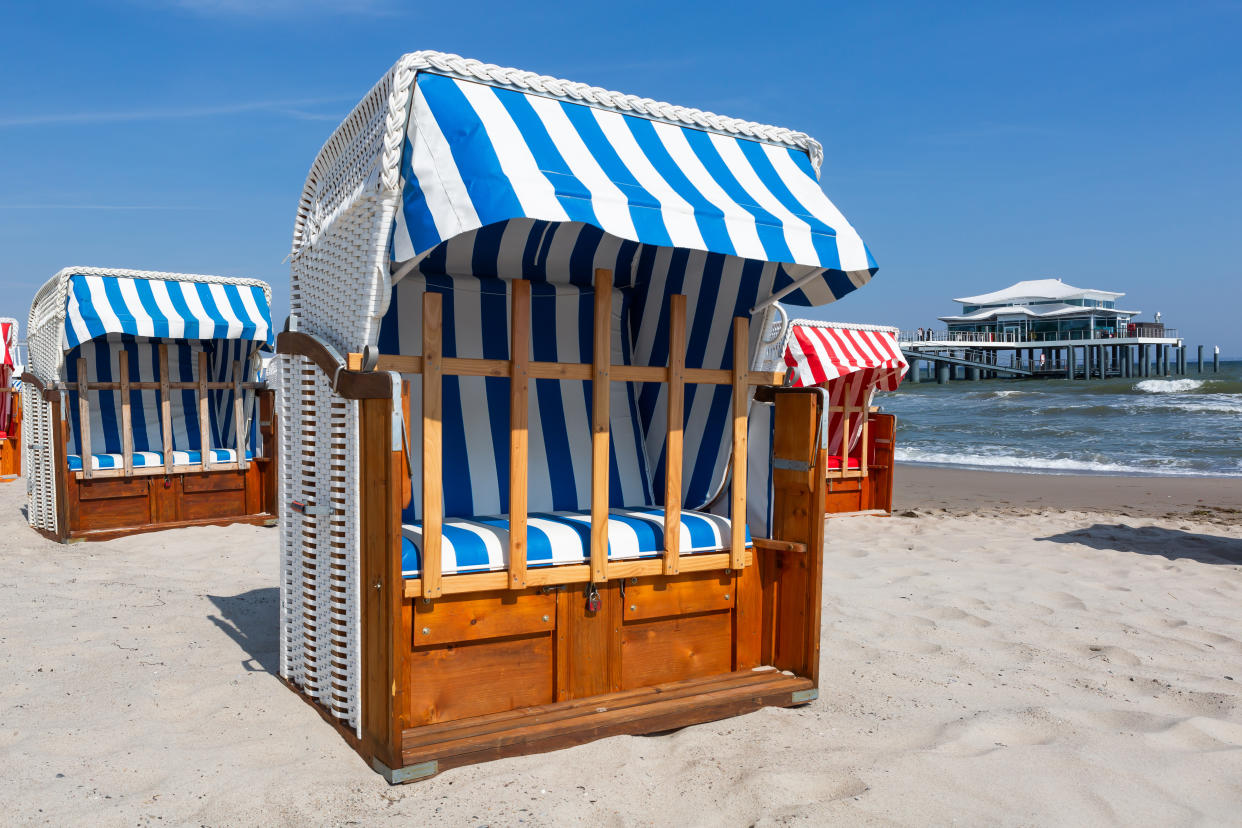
[166, 485]
[424, 663]
[10, 410]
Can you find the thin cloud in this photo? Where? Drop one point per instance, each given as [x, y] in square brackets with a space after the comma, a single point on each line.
[282, 8]
[100, 207]
[289, 109]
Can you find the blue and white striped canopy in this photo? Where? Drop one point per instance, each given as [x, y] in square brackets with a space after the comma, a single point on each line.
[480, 156]
[98, 305]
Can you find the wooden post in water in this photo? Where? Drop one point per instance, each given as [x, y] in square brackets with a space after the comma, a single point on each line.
[1200, 359]
[1215, 359]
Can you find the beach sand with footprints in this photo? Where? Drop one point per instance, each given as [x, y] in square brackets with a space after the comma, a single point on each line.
[1031, 657]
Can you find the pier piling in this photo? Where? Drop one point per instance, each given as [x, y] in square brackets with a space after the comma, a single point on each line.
[1215, 359]
[1200, 359]
[942, 374]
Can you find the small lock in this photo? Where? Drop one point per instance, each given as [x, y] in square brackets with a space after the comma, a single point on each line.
[592, 599]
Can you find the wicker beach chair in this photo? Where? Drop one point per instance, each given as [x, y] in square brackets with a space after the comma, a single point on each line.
[516, 399]
[141, 397]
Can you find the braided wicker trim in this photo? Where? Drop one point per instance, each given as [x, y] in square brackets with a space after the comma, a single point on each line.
[51, 307]
[469, 69]
[336, 178]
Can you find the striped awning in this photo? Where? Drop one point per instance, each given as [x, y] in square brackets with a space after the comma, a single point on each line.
[98, 305]
[819, 352]
[8, 341]
[483, 156]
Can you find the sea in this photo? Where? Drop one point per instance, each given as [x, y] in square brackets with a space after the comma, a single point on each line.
[1188, 426]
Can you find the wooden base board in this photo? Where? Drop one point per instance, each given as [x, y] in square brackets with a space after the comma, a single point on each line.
[126, 531]
[431, 749]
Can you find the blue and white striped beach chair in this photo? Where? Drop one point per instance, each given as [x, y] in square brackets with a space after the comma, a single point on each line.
[518, 302]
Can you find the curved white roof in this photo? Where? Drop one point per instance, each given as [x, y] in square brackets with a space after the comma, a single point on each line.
[1038, 289]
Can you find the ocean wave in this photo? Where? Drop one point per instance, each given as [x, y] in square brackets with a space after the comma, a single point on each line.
[1179, 386]
[1045, 465]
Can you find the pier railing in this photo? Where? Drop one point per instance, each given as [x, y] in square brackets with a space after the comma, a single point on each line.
[1035, 337]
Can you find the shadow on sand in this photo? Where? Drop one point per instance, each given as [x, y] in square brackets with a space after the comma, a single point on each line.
[252, 619]
[1154, 540]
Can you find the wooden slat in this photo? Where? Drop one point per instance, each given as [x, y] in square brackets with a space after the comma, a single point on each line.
[862, 441]
[84, 423]
[204, 432]
[239, 416]
[600, 408]
[519, 412]
[675, 424]
[847, 410]
[577, 573]
[741, 395]
[480, 725]
[153, 385]
[433, 477]
[166, 435]
[468, 367]
[127, 416]
[560, 370]
[773, 545]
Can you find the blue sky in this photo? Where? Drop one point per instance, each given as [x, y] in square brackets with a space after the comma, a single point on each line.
[972, 145]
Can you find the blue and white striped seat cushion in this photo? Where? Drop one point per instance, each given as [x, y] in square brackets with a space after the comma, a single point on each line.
[155, 458]
[481, 544]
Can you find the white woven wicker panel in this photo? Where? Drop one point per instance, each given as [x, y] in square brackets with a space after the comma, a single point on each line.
[39, 459]
[339, 286]
[319, 606]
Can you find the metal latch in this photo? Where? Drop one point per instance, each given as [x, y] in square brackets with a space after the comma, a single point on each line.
[308, 508]
[790, 465]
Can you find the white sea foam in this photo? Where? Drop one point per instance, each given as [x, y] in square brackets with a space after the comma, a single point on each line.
[1055, 465]
[1169, 386]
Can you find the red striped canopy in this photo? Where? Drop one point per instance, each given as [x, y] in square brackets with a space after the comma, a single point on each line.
[867, 356]
[819, 352]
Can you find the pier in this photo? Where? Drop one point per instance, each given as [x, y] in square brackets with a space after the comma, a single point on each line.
[1046, 329]
[952, 355]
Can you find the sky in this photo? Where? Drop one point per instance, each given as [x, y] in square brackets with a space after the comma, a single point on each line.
[971, 144]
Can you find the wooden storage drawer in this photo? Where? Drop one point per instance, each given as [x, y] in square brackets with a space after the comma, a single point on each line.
[108, 488]
[221, 481]
[659, 596]
[476, 616]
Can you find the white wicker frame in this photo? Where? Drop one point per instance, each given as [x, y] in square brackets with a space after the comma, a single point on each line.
[340, 286]
[45, 355]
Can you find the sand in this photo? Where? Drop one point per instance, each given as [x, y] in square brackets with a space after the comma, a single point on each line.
[1014, 668]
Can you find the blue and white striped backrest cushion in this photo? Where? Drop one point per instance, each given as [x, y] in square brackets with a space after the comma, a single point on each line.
[476, 409]
[103, 365]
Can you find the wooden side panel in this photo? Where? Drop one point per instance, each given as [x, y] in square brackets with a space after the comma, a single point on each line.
[457, 681]
[385, 622]
[672, 649]
[884, 445]
[789, 587]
